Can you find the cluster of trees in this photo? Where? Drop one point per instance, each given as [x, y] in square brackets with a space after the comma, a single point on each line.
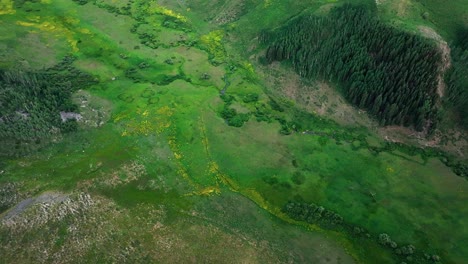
[230, 114]
[318, 215]
[312, 213]
[457, 78]
[30, 105]
[272, 111]
[390, 73]
[139, 11]
[309, 124]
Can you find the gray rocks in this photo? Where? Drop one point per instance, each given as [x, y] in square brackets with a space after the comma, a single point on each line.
[65, 116]
[45, 208]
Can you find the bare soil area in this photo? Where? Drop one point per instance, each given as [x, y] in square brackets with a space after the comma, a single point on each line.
[319, 98]
[323, 99]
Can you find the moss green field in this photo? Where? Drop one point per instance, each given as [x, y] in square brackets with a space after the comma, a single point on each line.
[172, 182]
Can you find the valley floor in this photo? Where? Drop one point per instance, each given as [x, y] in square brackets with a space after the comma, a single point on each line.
[162, 169]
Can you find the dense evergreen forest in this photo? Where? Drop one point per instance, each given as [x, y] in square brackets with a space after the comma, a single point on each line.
[457, 77]
[390, 73]
[31, 102]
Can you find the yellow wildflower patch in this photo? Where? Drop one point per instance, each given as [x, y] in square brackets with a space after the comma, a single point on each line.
[228, 182]
[120, 116]
[158, 9]
[85, 31]
[71, 20]
[181, 171]
[213, 167]
[248, 66]
[213, 43]
[146, 122]
[209, 191]
[6, 7]
[49, 25]
[165, 110]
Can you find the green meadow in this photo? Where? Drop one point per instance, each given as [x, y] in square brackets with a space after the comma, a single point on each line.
[155, 135]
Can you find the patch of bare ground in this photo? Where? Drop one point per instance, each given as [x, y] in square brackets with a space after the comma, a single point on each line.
[94, 111]
[229, 12]
[81, 227]
[324, 100]
[67, 228]
[316, 97]
[127, 173]
[452, 141]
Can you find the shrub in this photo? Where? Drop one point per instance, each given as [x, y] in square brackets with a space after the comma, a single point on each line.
[249, 98]
[298, 178]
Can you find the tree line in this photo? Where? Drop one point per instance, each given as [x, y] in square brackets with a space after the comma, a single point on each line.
[31, 102]
[318, 215]
[390, 73]
[457, 78]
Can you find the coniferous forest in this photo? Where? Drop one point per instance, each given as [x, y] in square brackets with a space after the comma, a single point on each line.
[31, 102]
[390, 73]
[147, 131]
[457, 78]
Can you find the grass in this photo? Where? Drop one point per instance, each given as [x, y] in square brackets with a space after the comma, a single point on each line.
[172, 127]
[447, 17]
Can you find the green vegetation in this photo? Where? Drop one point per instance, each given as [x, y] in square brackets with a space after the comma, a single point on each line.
[391, 74]
[314, 214]
[457, 78]
[448, 18]
[184, 148]
[32, 104]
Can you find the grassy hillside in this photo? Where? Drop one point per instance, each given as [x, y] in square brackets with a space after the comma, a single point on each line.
[184, 154]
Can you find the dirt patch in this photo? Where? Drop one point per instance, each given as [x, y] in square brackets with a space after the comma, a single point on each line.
[63, 228]
[48, 198]
[322, 99]
[452, 141]
[94, 111]
[402, 7]
[83, 228]
[445, 52]
[38, 211]
[316, 97]
[398, 7]
[325, 9]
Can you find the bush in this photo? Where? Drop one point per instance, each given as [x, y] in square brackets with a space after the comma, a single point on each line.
[275, 106]
[298, 178]
[238, 120]
[227, 98]
[228, 113]
[249, 98]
